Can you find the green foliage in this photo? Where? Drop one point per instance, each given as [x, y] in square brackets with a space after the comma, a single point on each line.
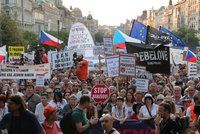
[99, 37]
[63, 35]
[11, 35]
[189, 35]
[31, 39]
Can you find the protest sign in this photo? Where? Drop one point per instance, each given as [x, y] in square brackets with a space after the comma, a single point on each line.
[127, 65]
[15, 53]
[112, 65]
[39, 80]
[108, 45]
[100, 93]
[81, 40]
[192, 69]
[140, 72]
[156, 60]
[142, 84]
[61, 60]
[24, 72]
[98, 50]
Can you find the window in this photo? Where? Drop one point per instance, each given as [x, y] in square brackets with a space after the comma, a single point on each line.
[7, 1]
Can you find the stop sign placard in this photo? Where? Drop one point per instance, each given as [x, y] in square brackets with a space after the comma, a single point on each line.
[100, 93]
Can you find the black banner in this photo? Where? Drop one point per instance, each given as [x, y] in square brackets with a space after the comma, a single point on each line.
[156, 60]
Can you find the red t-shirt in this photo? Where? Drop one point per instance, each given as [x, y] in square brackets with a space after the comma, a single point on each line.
[45, 58]
[54, 129]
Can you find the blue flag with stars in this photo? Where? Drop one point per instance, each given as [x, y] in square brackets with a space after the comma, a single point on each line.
[168, 36]
[139, 31]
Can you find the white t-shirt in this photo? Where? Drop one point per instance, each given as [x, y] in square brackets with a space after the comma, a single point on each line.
[153, 110]
[39, 110]
[119, 115]
[130, 111]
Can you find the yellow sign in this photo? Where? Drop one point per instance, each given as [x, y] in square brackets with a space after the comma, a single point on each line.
[15, 51]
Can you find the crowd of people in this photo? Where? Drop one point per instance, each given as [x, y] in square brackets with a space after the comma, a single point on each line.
[171, 104]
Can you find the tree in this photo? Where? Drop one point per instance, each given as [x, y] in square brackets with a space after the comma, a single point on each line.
[63, 35]
[31, 39]
[189, 35]
[99, 37]
[10, 34]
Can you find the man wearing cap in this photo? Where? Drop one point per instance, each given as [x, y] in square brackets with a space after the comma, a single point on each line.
[71, 104]
[31, 98]
[107, 124]
[49, 124]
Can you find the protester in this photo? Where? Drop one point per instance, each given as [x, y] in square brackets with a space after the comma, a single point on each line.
[3, 106]
[166, 125]
[107, 124]
[49, 124]
[119, 112]
[19, 120]
[39, 110]
[31, 98]
[129, 103]
[83, 125]
[82, 68]
[71, 105]
[150, 109]
[136, 109]
[59, 103]
[112, 102]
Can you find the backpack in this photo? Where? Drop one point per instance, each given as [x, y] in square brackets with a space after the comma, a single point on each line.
[67, 124]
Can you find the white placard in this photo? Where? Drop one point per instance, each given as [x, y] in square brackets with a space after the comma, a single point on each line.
[40, 80]
[80, 39]
[98, 50]
[113, 65]
[192, 69]
[24, 72]
[127, 65]
[142, 85]
[108, 45]
[61, 60]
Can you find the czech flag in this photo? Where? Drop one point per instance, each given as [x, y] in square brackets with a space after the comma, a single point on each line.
[49, 40]
[120, 39]
[190, 56]
[3, 53]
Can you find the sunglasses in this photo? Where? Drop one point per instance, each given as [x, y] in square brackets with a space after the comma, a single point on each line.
[159, 99]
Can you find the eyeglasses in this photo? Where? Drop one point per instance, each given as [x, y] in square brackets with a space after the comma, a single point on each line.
[49, 92]
[159, 99]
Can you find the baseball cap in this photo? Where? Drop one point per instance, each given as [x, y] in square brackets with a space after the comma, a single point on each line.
[49, 110]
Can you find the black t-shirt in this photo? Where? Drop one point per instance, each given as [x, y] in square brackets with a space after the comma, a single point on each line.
[168, 127]
[26, 123]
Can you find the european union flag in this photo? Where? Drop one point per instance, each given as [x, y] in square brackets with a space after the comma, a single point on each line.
[168, 36]
[139, 31]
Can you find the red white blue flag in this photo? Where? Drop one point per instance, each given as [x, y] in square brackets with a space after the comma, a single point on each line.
[190, 56]
[49, 40]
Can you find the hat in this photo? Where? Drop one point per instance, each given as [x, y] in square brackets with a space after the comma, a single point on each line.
[73, 96]
[160, 97]
[148, 95]
[84, 82]
[123, 90]
[48, 110]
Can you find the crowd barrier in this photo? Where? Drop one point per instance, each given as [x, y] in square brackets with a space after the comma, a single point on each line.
[129, 127]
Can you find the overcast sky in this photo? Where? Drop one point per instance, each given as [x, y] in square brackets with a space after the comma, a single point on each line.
[114, 12]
